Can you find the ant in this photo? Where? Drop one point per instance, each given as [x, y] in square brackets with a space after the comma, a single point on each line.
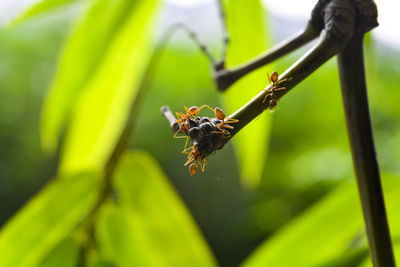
[273, 81]
[220, 115]
[185, 122]
[193, 156]
[205, 132]
[184, 118]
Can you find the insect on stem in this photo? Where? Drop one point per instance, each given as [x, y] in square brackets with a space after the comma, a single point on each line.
[207, 134]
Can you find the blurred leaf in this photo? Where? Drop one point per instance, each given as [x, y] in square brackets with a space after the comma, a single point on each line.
[103, 108]
[39, 8]
[90, 42]
[323, 233]
[46, 220]
[64, 254]
[151, 226]
[396, 250]
[350, 258]
[119, 243]
[102, 263]
[246, 27]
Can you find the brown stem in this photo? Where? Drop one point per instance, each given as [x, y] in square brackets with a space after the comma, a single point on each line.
[224, 78]
[326, 48]
[354, 90]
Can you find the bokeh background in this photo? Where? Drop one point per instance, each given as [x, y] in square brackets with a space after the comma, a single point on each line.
[303, 151]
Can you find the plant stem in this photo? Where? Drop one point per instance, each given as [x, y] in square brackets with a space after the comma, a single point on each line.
[167, 113]
[326, 48]
[354, 90]
[224, 78]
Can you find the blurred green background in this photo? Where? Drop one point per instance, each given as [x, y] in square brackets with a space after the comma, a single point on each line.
[306, 189]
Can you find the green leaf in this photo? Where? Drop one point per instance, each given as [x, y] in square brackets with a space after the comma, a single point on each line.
[150, 226]
[102, 110]
[246, 27]
[102, 263]
[47, 219]
[119, 242]
[64, 254]
[40, 8]
[325, 232]
[83, 57]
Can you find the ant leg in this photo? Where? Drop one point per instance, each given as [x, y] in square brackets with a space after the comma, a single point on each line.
[221, 127]
[284, 80]
[280, 89]
[281, 81]
[228, 126]
[229, 120]
[185, 151]
[200, 163]
[180, 115]
[180, 136]
[265, 98]
[186, 148]
[206, 106]
[204, 165]
[189, 160]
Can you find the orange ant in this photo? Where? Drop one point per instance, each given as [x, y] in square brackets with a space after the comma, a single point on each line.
[220, 115]
[193, 156]
[203, 132]
[273, 81]
[183, 118]
[193, 111]
[182, 121]
[193, 169]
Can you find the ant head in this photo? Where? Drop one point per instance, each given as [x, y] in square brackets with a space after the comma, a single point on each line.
[219, 113]
[274, 76]
[194, 110]
[193, 169]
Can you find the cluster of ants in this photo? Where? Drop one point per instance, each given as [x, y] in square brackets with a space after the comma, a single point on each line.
[208, 134]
